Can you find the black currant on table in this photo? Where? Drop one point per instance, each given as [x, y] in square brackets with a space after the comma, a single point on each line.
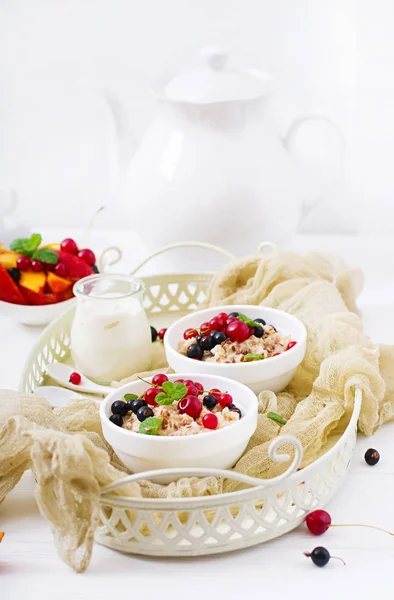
[153, 333]
[372, 457]
[320, 556]
[119, 408]
[144, 412]
[135, 405]
[116, 420]
[195, 351]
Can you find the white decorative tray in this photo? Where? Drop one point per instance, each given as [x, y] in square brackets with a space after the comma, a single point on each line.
[211, 524]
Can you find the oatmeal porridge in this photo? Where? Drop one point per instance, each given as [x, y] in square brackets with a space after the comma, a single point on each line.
[175, 408]
[233, 338]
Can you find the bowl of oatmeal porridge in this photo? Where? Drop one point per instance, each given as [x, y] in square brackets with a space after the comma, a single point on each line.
[257, 346]
[179, 420]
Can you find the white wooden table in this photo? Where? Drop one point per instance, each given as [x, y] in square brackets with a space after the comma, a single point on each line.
[30, 568]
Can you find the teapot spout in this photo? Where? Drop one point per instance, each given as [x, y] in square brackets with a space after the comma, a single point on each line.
[126, 142]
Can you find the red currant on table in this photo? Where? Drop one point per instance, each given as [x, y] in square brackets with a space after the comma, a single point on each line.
[290, 345]
[225, 400]
[210, 421]
[60, 270]
[190, 405]
[161, 333]
[68, 245]
[205, 328]
[190, 333]
[87, 256]
[75, 378]
[37, 266]
[159, 379]
[150, 396]
[318, 522]
[238, 331]
[23, 263]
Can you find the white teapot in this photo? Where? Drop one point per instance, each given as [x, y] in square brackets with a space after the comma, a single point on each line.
[212, 166]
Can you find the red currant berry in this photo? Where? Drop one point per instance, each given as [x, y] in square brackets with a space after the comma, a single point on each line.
[205, 328]
[188, 382]
[75, 378]
[238, 331]
[23, 263]
[60, 270]
[223, 316]
[217, 323]
[290, 345]
[190, 405]
[318, 522]
[225, 400]
[210, 421]
[150, 396]
[215, 392]
[190, 333]
[231, 320]
[251, 331]
[276, 354]
[179, 380]
[87, 256]
[37, 266]
[161, 333]
[68, 245]
[192, 390]
[199, 387]
[159, 379]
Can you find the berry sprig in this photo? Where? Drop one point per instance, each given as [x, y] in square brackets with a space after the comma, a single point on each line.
[319, 521]
[320, 556]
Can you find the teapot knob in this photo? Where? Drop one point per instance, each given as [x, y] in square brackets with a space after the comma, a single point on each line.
[215, 57]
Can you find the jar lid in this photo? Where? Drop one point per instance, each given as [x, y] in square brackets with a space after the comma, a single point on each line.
[214, 81]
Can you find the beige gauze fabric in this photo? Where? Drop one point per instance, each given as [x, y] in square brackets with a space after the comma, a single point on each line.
[72, 462]
[321, 291]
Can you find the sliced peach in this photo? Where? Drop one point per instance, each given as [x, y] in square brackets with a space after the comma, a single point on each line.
[8, 258]
[57, 284]
[52, 246]
[9, 291]
[33, 281]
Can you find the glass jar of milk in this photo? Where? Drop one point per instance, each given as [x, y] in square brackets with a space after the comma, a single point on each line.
[110, 334]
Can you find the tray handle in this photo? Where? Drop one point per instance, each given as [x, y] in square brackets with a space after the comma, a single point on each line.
[203, 245]
[225, 474]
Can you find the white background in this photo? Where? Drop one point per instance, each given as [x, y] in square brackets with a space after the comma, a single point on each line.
[57, 141]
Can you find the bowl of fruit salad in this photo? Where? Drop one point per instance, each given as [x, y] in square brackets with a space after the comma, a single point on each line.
[178, 420]
[36, 281]
[257, 346]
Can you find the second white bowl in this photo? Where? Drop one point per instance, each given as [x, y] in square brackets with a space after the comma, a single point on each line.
[217, 449]
[270, 374]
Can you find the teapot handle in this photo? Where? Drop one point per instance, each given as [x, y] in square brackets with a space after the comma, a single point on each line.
[291, 134]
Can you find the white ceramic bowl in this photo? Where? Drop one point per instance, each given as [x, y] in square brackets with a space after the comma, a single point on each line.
[270, 374]
[35, 315]
[216, 449]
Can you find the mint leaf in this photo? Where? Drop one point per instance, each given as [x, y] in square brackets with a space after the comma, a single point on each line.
[180, 391]
[251, 357]
[168, 387]
[277, 418]
[150, 426]
[129, 397]
[26, 246]
[248, 321]
[163, 399]
[46, 255]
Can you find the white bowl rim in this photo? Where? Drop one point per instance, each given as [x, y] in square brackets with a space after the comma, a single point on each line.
[40, 307]
[249, 410]
[244, 365]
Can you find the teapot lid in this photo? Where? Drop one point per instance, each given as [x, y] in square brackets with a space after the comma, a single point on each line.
[215, 82]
